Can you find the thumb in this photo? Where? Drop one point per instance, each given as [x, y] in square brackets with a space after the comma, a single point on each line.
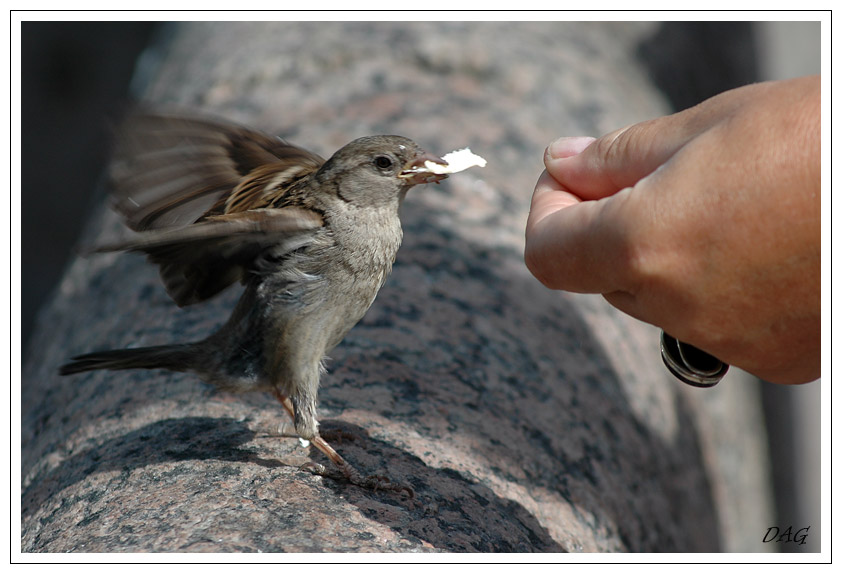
[614, 161]
[622, 158]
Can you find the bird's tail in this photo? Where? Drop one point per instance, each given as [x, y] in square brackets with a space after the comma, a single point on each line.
[170, 357]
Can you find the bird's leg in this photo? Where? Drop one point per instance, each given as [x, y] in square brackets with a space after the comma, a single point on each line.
[374, 482]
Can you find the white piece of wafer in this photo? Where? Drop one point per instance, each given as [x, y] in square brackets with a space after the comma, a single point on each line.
[457, 161]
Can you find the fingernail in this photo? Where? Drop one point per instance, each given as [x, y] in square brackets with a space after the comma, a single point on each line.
[568, 147]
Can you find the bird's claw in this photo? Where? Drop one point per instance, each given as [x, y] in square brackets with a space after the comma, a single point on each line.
[349, 473]
[372, 482]
[377, 482]
[313, 468]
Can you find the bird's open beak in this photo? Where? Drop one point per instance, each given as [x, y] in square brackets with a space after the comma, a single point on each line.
[417, 172]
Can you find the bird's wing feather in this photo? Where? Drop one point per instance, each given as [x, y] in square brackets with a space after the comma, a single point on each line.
[170, 170]
[200, 260]
[197, 189]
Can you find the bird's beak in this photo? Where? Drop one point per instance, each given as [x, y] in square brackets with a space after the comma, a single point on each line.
[417, 172]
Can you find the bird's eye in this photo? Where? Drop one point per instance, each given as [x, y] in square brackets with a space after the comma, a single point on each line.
[383, 162]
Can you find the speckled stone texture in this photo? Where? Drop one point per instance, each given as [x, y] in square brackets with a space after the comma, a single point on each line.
[526, 420]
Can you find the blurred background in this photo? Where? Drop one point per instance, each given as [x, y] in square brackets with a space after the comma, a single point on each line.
[76, 76]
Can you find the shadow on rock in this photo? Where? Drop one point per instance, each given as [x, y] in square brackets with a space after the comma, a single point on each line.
[450, 511]
[189, 438]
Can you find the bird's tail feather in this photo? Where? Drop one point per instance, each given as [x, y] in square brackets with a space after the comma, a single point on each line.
[171, 357]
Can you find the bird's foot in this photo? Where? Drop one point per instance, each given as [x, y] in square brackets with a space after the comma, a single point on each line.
[350, 474]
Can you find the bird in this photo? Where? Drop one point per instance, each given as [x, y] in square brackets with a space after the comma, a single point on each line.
[312, 241]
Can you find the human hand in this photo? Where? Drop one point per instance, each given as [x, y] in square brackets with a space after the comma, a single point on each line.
[705, 223]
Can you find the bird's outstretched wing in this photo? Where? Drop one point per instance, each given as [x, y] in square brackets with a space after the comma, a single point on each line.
[209, 198]
[200, 260]
[170, 170]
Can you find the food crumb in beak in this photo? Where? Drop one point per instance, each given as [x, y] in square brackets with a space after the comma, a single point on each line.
[457, 161]
[453, 162]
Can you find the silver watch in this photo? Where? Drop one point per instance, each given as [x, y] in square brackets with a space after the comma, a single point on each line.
[690, 364]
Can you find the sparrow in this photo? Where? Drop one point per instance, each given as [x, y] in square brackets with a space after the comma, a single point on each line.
[312, 241]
